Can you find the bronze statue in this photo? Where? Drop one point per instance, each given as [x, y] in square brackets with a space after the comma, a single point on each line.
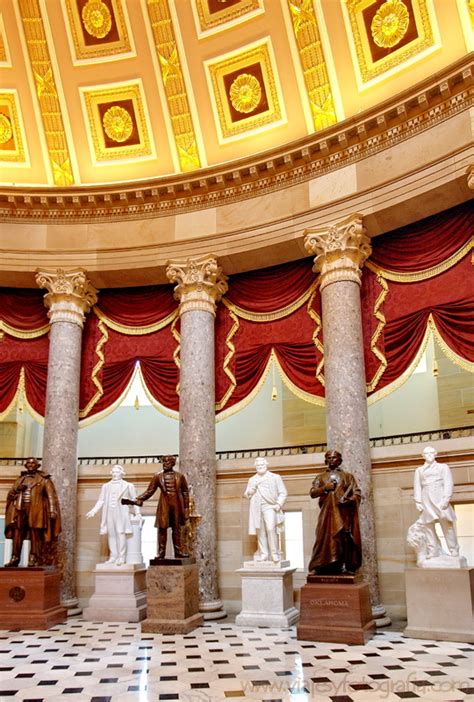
[173, 506]
[32, 513]
[337, 549]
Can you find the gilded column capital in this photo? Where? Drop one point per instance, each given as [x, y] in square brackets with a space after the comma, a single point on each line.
[70, 294]
[200, 283]
[340, 250]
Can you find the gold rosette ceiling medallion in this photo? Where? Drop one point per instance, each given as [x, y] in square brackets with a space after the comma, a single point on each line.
[6, 131]
[117, 123]
[245, 93]
[96, 18]
[390, 23]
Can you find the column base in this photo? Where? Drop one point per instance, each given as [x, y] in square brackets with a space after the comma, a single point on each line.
[212, 610]
[440, 603]
[380, 616]
[338, 613]
[173, 599]
[267, 595]
[120, 594]
[29, 598]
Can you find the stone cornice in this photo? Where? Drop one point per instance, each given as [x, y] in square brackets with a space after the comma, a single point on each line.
[390, 123]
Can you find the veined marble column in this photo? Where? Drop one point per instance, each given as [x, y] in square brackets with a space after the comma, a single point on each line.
[70, 296]
[340, 252]
[200, 285]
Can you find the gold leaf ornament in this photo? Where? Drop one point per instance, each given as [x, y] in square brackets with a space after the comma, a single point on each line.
[245, 93]
[117, 123]
[96, 18]
[390, 23]
[6, 131]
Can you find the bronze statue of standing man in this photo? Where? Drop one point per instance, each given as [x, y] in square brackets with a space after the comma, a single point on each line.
[173, 506]
[32, 513]
[337, 549]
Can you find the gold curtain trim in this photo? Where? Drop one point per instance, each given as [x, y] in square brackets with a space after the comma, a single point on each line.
[378, 331]
[431, 329]
[19, 334]
[276, 314]
[306, 396]
[230, 354]
[173, 414]
[20, 396]
[95, 371]
[317, 321]
[251, 396]
[177, 338]
[416, 276]
[135, 331]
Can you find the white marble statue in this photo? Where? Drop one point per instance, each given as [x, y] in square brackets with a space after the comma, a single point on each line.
[117, 520]
[432, 491]
[267, 495]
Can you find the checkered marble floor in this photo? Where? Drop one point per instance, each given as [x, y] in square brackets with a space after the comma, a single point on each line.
[90, 662]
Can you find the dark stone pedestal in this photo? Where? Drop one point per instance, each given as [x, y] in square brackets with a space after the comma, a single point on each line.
[29, 598]
[335, 609]
[172, 599]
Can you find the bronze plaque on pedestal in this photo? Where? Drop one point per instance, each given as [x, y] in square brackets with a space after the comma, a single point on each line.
[29, 598]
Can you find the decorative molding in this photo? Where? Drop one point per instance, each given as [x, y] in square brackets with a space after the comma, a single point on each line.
[173, 81]
[470, 178]
[415, 111]
[313, 64]
[200, 283]
[213, 16]
[340, 250]
[12, 136]
[373, 56]
[5, 60]
[46, 90]
[70, 294]
[249, 76]
[97, 30]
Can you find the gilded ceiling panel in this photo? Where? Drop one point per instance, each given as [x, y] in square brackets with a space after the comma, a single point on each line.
[386, 34]
[313, 63]
[118, 125]
[245, 93]
[12, 147]
[98, 29]
[4, 56]
[215, 15]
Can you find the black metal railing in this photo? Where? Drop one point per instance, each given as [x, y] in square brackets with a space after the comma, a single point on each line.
[395, 440]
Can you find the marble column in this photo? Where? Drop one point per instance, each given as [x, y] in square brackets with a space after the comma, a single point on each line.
[340, 252]
[200, 285]
[70, 296]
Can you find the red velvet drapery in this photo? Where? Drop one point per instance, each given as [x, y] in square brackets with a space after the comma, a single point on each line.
[417, 276]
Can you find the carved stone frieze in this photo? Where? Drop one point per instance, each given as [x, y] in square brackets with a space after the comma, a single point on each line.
[70, 294]
[200, 283]
[339, 250]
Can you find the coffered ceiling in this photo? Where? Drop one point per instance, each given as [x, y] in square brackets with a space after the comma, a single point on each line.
[106, 91]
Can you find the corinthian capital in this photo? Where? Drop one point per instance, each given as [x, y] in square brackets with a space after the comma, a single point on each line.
[340, 250]
[200, 283]
[70, 294]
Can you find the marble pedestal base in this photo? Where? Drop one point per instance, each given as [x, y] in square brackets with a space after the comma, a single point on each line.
[267, 594]
[338, 612]
[30, 598]
[440, 603]
[120, 594]
[173, 599]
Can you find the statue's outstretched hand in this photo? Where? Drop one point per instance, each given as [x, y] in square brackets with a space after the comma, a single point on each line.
[126, 501]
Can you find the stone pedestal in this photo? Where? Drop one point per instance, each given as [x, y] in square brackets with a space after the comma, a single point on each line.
[440, 603]
[120, 594]
[29, 598]
[335, 609]
[267, 594]
[173, 599]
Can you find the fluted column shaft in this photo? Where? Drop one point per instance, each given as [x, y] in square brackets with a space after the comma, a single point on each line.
[69, 298]
[200, 285]
[340, 252]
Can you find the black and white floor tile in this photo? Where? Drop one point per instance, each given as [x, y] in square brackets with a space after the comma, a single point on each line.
[90, 662]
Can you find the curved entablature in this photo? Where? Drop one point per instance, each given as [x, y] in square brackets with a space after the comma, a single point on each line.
[377, 129]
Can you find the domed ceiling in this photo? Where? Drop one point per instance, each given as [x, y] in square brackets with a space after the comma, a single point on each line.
[104, 91]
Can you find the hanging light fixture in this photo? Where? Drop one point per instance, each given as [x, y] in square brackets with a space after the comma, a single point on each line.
[136, 404]
[274, 389]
